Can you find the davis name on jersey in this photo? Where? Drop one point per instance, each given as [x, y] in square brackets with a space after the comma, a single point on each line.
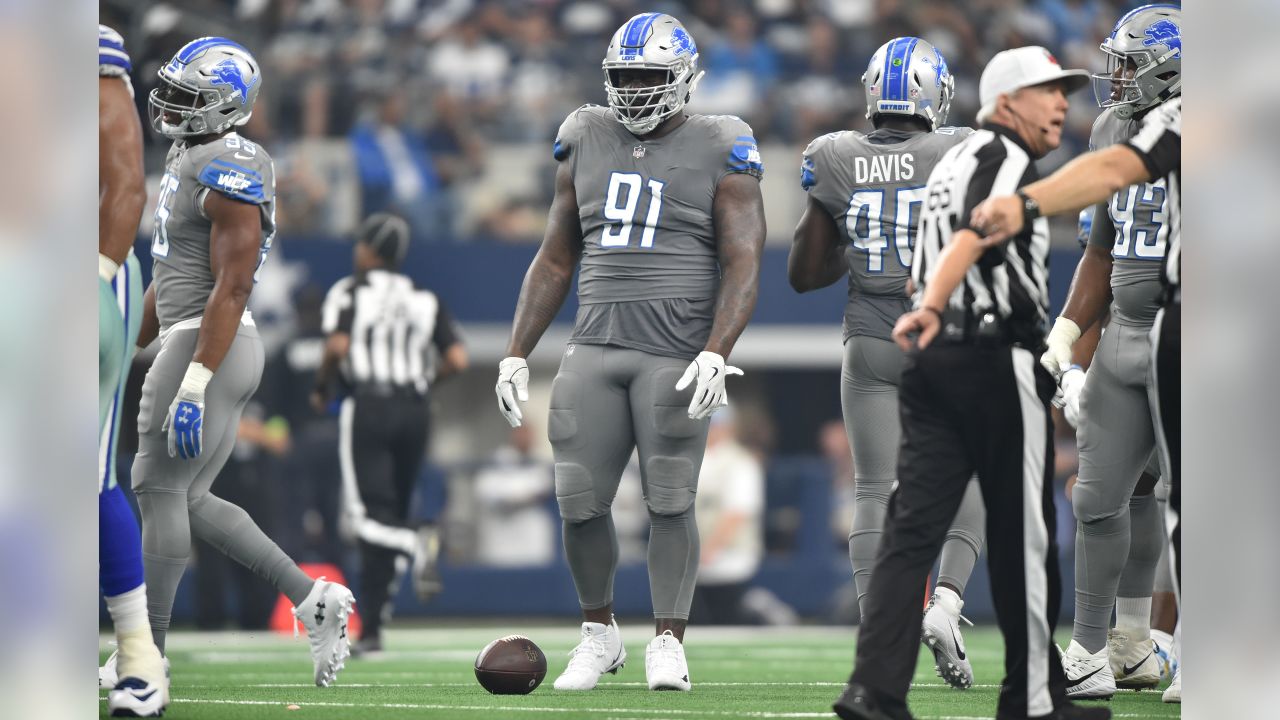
[231, 165]
[872, 185]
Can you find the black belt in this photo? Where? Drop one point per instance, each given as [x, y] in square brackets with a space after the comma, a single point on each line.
[386, 390]
[961, 327]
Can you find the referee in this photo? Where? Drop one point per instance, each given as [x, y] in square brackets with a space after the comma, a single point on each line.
[973, 397]
[1155, 152]
[381, 333]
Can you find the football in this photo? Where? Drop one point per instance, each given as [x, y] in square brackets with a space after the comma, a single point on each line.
[512, 665]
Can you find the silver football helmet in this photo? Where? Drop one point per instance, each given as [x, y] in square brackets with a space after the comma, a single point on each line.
[1144, 60]
[208, 87]
[908, 76]
[650, 41]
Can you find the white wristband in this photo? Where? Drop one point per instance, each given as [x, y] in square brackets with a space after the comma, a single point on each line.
[197, 378]
[107, 268]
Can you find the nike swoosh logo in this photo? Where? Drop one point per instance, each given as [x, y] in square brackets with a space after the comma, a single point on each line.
[714, 372]
[959, 647]
[1127, 670]
[142, 697]
[243, 157]
[1082, 678]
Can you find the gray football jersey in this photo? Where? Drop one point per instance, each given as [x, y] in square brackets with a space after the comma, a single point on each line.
[230, 165]
[1136, 229]
[873, 186]
[650, 270]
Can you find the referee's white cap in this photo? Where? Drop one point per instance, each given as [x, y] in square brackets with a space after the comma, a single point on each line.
[1012, 70]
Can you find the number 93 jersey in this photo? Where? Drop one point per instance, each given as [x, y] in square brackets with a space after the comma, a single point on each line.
[872, 185]
[231, 165]
[1135, 228]
[650, 269]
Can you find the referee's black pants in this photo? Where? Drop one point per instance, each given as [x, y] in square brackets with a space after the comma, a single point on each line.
[382, 442]
[1165, 390]
[969, 408]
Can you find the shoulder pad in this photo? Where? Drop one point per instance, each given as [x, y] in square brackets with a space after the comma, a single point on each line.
[744, 154]
[235, 167]
[570, 132]
[815, 154]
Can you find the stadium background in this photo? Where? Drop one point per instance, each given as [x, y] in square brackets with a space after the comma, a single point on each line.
[445, 112]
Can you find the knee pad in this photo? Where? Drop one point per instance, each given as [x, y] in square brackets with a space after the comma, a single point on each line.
[670, 484]
[575, 493]
[1092, 501]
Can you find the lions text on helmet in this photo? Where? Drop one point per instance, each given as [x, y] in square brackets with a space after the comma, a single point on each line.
[207, 88]
[650, 71]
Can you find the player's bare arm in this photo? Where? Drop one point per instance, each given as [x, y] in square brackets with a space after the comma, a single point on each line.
[955, 260]
[738, 214]
[547, 282]
[1087, 180]
[1090, 291]
[234, 242]
[122, 191]
[816, 258]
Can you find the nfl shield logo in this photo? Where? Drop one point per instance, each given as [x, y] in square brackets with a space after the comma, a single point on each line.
[637, 151]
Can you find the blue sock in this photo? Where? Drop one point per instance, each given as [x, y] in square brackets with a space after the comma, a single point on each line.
[119, 544]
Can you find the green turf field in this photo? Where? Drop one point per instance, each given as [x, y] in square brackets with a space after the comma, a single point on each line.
[736, 673]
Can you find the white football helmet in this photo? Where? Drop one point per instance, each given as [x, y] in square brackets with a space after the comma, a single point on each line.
[208, 87]
[908, 76]
[650, 41]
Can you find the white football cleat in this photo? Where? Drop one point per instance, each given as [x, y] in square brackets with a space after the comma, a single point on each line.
[940, 632]
[133, 697]
[324, 615]
[109, 674]
[664, 664]
[1134, 662]
[1089, 676]
[600, 651]
[1173, 693]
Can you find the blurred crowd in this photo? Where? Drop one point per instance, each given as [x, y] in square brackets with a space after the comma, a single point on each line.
[445, 110]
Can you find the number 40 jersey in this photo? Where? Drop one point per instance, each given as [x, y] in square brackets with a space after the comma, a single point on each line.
[650, 267]
[231, 165]
[872, 185]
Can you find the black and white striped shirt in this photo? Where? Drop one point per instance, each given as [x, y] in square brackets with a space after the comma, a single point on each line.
[1159, 144]
[1010, 280]
[392, 326]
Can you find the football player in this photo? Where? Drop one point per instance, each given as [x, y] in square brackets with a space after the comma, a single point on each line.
[865, 194]
[138, 684]
[663, 212]
[1119, 535]
[214, 223]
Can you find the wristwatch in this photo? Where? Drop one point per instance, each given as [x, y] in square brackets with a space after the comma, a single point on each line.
[1030, 208]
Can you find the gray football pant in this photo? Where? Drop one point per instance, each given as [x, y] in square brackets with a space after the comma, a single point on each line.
[1116, 534]
[173, 494]
[605, 402]
[869, 381]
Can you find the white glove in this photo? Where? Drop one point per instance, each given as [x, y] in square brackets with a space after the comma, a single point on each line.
[184, 423]
[710, 370]
[1072, 385]
[1057, 358]
[513, 383]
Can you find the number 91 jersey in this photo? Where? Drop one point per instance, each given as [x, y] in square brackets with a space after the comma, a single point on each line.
[873, 187]
[650, 268]
[231, 165]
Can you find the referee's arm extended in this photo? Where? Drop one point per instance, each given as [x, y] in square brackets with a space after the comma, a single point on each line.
[1091, 178]
[954, 261]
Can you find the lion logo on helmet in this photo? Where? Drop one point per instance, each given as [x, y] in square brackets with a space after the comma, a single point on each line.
[228, 72]
[1165, 32]
[682, 42]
